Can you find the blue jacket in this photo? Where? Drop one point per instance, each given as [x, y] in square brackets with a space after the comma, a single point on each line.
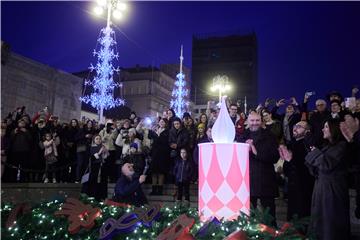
[129, 191]
[183, 170]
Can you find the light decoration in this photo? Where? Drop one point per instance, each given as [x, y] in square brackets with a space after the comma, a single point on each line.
[179, 93]
[220, 84]
[102, 98]
[56, 228]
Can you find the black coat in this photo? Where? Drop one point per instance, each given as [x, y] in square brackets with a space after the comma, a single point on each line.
[183, 170]
[21, 141]
[317, 121]
[293, 119]
[204, 139]
[180, 138]
[160, 154]
[129, 191]
[300, 182]
[330, 200]
[80, 136]
[262, 172]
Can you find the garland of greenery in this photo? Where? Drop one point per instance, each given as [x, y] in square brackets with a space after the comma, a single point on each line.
[41, 222]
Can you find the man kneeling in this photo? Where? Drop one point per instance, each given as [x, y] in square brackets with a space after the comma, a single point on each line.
[128, 187]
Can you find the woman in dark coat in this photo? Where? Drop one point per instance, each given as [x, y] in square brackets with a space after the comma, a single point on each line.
[171, 116]
[70, 139]
[330, 201]
[37, 154]
[83, 139]
[160, 155]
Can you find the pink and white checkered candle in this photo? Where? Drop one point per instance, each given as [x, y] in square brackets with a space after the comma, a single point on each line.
[224, 184]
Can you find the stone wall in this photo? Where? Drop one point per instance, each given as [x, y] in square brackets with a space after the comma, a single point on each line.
[25, 82]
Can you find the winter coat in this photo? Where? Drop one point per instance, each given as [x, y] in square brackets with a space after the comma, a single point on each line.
[204, 139]
[81, 139]
[21, 141]
[192, 136]
[125, 143]
[276, 129]
[317, 121]
[160, 153]
[180, 138]
[262, 172]
[330, 200]
[109, 139]
[183, 170]
[300, 182]
[293, 119]
[129, 191]
[239, 128]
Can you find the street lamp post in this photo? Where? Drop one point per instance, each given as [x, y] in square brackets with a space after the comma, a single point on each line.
[220, 84]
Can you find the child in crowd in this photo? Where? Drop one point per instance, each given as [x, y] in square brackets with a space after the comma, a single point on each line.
[51, 154]
[183, 171]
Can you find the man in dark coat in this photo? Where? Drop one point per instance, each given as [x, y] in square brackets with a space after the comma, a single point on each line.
[263, 155]
[317, 120]
[300, 182]
[351, 131]
[128, 187]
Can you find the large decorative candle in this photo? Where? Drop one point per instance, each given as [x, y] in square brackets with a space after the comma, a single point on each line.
[224, 187]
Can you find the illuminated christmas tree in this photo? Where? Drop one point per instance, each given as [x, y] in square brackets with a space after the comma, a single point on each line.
[102, 97]
[179, 93]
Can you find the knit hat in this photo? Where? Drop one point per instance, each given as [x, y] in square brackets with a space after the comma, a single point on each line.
[134, 145]
[201, 125]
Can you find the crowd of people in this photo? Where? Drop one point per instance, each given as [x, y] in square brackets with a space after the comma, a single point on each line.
[313, 154]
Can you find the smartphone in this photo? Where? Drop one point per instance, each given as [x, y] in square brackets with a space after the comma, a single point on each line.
[350, 102]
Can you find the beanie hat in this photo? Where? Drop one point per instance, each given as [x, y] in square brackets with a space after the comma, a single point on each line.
[134, 145]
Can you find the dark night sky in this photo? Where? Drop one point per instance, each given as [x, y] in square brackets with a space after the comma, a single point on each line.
[301, 45]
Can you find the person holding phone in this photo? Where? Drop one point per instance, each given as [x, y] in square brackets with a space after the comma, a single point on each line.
[128, 187]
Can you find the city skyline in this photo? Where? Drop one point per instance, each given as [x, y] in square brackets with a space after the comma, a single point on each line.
[302, 46]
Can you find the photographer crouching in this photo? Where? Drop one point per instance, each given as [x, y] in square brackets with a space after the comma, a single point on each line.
[128, 187]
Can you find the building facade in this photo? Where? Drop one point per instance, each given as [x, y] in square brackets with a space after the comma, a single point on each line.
[234, 56]
[25, 82]
[146, 90]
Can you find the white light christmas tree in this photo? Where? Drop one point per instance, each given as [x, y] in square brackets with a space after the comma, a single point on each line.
[179, 93]
[103, 96]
